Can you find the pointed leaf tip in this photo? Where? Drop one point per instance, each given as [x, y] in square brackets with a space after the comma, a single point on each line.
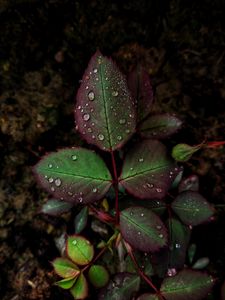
[75, 175]
[105, 111]
[142, 229]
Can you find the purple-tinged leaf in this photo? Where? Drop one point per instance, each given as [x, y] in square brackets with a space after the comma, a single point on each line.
[160, 126]
[141, 89]
[147, 171]
[98, 276]
[79, 250]
[192, 208]
[105, 110]
[179, 240]
[80, 288]
[223, 291]
[75, 175]
[187, 285]
[55, 207]
[65, 268]
[201, 263]
[142, 260]
[66, 283]
[148, 296]
[142, 229]
[121, 287]
[80, 221]
[190, 183]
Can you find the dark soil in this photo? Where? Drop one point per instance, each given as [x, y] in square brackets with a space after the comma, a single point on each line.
[45, 48]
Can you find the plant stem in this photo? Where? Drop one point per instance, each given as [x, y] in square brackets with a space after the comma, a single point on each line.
[96, 258]
[115, 188]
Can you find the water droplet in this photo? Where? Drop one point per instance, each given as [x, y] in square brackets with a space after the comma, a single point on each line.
[58, 182]
[158, 190]
[171, 272]
[161, 235]
[115, 93]
[52, 189]
[131, 213]
[94, 190]
[89, 130]
[150, 185]
[159, 227]
[141, 159]
[50, 166]
[142, 215]
[139, 233]
[93, 137]
[119, 137]
[177, 246]
[87, 87]
[80, 199]
[101, 137]
[74, 157]
[131, 169]
[91, 96]
[74, 242]
[70, 193]
[86, 117]
[50, 180]
[122, 121]
[95, 70]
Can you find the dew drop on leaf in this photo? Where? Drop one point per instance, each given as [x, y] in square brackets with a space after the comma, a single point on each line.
[171, 272]
[177, 246]
[95, 70]
[139, 233]
[94, 190]
[52, 189]
[142, 215]
[58, 182]
[158, 190]
[86, 117]
[50, 166]
[91, 96]
[159, 227]
[101, 137]
[115, 93]
[50, 180]
[119, 137]
[74, 242]
[141, 159]
[74, 157]
[161, 236]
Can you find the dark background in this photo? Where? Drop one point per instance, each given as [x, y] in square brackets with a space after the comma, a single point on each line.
[44, 49]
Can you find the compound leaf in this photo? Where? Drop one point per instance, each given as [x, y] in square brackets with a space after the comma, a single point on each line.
[80, 288]
[147, 171]
[192, 208]
[121, 287]
[65, 268]
[76, 175]
[187, 285]
[160, 126]
[105, 110]
[141, 89]
[142, 229]
[79, 249]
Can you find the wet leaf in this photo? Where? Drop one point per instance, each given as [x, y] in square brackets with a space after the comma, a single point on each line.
[121, 287]
[80, 221]
[187, 285]
[143, 261]
[183, 152]
[147, 171]
[105, 110]
[66, 283]
[142, 229]
[192, 208]
[65, 268]
[76, 175]
[190, 183]
[149, 297]
[79, 249]
[160, 126]
[98, 276]
[56, 207]
[141, 89]
[80, 288]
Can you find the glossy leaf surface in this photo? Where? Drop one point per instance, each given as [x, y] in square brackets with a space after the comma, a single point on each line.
[79, 249]
[142, 229]
[141, 89]
[187, 285]
[80, 221]
[98, 276]
[160, 126]
[147, 171]
[80, 288]
[192, 208]
[76, 175]
[66, 283]
[105, 110]
[55, 207]
[65, 268]
[121, 287]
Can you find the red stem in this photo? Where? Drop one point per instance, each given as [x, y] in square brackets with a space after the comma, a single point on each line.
[215, 144]
[115, 188]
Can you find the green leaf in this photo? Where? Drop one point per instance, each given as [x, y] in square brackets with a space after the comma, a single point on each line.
[98, 276]
[79, 249]
[143, 261]
[192, 208]
[80, 288]
[56, 207]
[183, 152]
[187, 285]
[121, 287]
[80, 221]
[147, 171]
[149, 297]
[201, 263]
[105, 110]
[66, 283]
[65, 268]
[142, 229]
[76, 175]
[160, 126]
